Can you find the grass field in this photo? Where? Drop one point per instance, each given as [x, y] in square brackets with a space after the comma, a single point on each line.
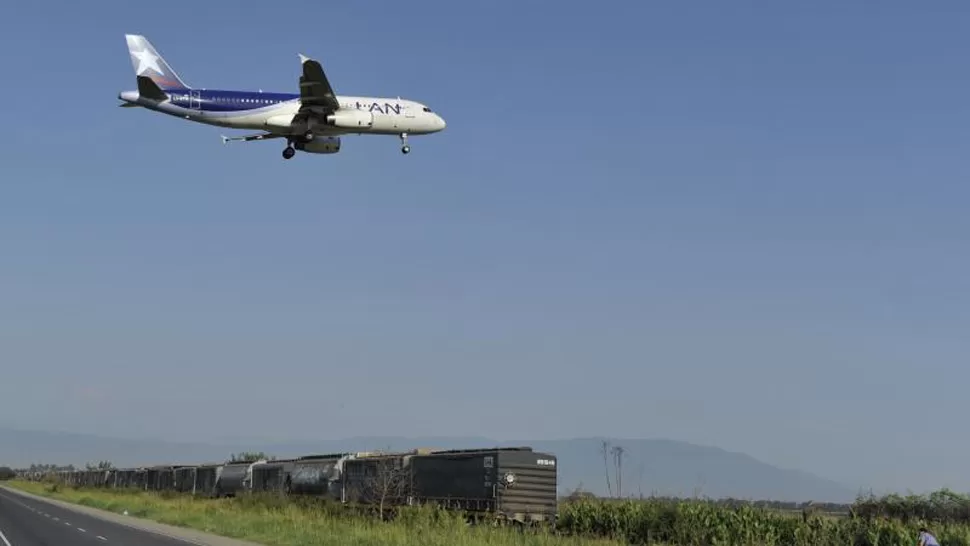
[272, 520]
[285, 523]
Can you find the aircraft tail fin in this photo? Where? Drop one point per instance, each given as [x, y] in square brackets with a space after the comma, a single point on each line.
[148, 63]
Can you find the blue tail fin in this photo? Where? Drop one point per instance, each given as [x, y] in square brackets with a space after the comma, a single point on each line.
[147, 62]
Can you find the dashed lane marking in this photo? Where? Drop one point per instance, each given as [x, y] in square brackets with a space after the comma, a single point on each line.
[5, 542]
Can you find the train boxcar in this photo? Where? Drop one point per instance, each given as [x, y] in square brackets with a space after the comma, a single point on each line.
[206, 478]
[318, 475]
[513, 484]
[273, 477]
[160, 478]
[185, 479]
[122, 478]
[130, 478]
[377, 479]
[235, 478]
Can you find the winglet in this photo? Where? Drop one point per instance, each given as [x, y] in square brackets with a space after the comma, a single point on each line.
[303, 58]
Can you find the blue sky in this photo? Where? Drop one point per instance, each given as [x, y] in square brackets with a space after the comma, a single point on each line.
[741, 225]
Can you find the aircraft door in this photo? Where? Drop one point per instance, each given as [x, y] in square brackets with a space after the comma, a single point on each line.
[195, 99]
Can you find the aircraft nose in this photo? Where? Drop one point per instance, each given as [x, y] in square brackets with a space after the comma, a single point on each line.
[441, 123]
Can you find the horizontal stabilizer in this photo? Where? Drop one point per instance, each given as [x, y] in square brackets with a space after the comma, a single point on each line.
[149, 89]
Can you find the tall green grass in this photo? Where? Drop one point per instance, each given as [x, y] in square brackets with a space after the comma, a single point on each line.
[277, 521]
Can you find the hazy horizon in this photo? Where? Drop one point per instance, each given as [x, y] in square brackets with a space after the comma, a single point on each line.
[655, 466]
[296, 446]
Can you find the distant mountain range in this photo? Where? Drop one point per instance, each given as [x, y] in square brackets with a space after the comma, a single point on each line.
[655, 466]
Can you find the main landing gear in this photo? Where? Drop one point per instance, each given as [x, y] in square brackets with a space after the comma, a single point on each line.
[290, 151]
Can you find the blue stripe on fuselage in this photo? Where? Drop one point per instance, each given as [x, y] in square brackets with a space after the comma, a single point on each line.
[226, 101]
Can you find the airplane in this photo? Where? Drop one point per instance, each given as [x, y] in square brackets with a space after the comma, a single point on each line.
[311, 121]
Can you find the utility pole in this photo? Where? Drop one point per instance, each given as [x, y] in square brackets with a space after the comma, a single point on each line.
[618, 456]
[606, 465]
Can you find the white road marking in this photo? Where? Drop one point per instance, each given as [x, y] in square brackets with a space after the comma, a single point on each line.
[57, 519]
[101, 537]
[82, 530]
[77, 508]
[4, 539]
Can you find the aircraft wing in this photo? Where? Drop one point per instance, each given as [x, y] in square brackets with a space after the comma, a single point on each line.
[315, 90]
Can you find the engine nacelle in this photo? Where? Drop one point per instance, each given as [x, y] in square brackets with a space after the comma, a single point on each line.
[320, 145]
[351, 119]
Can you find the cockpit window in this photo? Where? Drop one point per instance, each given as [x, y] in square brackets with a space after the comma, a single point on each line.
[426, 109]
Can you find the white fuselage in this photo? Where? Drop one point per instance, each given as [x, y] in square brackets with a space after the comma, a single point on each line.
[274, 112]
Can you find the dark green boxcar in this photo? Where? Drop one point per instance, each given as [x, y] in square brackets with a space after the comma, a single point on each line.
[514, 484]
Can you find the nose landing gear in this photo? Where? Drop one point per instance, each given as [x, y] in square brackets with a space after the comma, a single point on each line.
[404, 144]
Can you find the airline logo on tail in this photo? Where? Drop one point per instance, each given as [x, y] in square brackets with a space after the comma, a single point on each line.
[147, 62]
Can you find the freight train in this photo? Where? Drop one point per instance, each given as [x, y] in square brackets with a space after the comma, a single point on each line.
[512, 485]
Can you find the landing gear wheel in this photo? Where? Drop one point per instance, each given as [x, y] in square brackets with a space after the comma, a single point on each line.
[289, 152]
[404, 143]
[308, 136]
[405, 149]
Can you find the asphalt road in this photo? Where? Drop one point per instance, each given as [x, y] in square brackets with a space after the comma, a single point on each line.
[26, 520]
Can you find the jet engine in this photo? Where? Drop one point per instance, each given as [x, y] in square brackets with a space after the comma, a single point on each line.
[320, 145]
[351, 119]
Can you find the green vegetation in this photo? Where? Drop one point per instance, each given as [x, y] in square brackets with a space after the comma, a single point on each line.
[250, 457]
[944, 506]
[274, 520]
[7, 473]
[887, 521]
[707, 523]
[871, 521]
